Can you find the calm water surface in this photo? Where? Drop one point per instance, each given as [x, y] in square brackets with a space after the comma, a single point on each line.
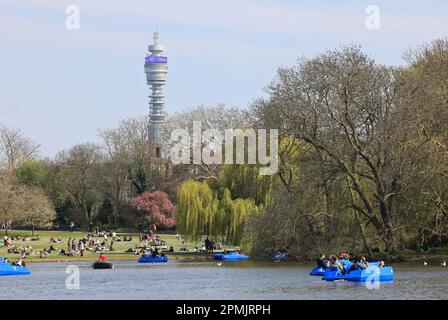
[207, 280]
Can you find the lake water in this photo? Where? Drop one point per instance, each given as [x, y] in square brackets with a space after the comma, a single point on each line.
[206, 280]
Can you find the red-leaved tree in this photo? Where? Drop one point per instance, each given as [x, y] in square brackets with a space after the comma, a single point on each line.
[156, 206]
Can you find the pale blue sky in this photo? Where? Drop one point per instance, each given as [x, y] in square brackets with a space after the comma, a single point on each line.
[60, 86]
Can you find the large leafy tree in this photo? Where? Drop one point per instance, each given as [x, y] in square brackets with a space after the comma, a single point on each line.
[37, 210]
[204, 209]
[81, 172]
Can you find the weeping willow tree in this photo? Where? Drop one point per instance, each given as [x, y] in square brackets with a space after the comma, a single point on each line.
[203, 210]
[245, 182]
[196, 210]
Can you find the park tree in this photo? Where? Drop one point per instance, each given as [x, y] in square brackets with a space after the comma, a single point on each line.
[8, 203]
[116, 168]
[424, 117]
[31, 173]
[129, 144]
[156, 208]
[24, 205]
[15, 148]
[205, 210]
[36, 210]
[81, 172]
[219, 117]
[344, 105]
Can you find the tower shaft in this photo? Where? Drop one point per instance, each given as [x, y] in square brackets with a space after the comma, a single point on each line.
[156, 69]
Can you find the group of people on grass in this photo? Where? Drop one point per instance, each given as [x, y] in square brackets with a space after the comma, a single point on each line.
[150, 244]
[7, 240]
[87, 243]
[339, 263]
[150, 240]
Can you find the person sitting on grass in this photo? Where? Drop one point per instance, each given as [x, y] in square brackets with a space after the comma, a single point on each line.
[43, 253]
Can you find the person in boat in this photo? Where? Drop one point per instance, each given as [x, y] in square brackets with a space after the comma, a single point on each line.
[356, 266]
[344, 256]
[321, 262]
[19, 262]
[101, 257]
[335, 263]
[363, 261]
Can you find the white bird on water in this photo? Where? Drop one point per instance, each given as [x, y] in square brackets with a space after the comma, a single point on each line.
[425, 263]
[443, 263]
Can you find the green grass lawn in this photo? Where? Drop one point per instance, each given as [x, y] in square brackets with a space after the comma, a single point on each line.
[119, 246]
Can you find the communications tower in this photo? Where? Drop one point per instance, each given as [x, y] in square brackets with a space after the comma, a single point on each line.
[156, 69]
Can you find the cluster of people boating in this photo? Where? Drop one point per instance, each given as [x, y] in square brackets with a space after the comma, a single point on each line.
[336, 262]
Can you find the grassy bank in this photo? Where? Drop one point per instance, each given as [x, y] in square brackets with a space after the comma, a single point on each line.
[119, 246]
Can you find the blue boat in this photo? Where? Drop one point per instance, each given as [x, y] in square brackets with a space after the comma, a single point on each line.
[232, 256]
[153, 259]
[371, 274]
[280, 256]
[319, 271]
[7, 269]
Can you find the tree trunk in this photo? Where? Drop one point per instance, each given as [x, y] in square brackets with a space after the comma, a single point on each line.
[358, 220]
[32, 232]
[389, 237]
[114, 212]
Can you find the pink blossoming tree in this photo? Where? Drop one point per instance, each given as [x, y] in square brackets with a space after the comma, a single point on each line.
[156, 206]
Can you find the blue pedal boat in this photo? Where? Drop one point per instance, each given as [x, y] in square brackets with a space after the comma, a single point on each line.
[319, 271]
[7, 269]
[153, 259]
[280, 256]
[371, 274]
[232, 256]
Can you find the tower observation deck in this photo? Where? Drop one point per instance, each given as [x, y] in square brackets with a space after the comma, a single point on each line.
[156, 69]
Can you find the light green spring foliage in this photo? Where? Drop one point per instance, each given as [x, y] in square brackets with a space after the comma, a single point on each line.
[245, 182]
[202, 210]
